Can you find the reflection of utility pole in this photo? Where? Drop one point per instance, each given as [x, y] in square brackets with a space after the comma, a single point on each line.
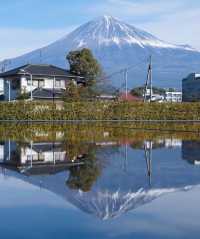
[31, 153]
[54, 161]
[9, 150]
[148, 158]
[126, 157]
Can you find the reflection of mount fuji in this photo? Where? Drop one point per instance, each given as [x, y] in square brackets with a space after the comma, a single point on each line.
[115, 189]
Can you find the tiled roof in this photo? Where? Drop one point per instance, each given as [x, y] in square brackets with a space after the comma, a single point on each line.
[38, 70]
[129, 97]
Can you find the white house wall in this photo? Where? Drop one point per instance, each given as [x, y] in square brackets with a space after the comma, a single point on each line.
[49, 156]
[48, 84]
[13, 92]
[1, 85]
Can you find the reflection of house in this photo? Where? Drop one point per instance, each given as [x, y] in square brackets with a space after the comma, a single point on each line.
[38, 81]
[191, 152]
[1, 151]
[35, 158]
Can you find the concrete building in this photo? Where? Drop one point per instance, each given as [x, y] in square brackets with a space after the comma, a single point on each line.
[37, 81]
[173, 96]
[191, 88]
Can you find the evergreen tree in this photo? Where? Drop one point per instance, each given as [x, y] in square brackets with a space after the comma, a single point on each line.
[82, 63]
[72, 92]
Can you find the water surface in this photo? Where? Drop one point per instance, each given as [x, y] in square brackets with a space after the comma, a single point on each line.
[143, 186]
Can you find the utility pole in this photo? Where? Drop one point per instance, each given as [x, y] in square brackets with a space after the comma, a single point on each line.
[54, 80]
[148, 83]
[126, 82]
[150, 78]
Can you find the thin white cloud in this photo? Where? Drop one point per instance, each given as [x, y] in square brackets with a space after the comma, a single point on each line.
[180, 27]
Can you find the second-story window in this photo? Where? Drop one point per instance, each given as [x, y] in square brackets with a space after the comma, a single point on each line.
[58, 83]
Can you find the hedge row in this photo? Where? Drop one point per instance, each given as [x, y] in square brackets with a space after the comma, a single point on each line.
[99, 111]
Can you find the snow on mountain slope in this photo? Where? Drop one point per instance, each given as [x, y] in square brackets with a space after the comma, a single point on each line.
[118, 45]
[108, 30]
[99, 203]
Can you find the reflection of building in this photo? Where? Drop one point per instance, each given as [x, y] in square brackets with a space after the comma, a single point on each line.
[191, 152]
[158, 144]
[35, 158]
[173, 143]
[1, 151]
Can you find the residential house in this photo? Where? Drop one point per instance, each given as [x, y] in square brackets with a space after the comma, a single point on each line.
[37, 81]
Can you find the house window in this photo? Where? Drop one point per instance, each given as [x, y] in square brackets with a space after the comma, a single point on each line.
[28, 82]
[39, 83]
[58, 83]
[15, 84]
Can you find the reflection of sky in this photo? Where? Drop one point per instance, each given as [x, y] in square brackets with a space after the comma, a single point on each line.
[31, 213]
[16, 193]
[27, 211]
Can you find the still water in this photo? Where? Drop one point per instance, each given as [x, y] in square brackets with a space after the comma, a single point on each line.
[114, 187]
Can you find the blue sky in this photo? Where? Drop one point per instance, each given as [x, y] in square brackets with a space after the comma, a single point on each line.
[28, 24]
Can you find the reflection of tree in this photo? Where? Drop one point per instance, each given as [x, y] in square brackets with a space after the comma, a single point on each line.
[75, 150]
[84, 176]
[15, 156]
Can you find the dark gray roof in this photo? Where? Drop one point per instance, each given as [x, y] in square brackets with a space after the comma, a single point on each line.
[38, 70]
[48, 147]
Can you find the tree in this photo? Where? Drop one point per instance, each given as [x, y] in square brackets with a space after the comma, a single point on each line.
[84, 176]
[139, 91]
[72, 92]
[82, 63]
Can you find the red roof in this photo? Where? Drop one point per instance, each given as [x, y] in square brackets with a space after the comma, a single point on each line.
[129, 97]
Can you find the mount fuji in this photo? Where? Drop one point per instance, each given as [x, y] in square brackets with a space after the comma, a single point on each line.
[118, 45]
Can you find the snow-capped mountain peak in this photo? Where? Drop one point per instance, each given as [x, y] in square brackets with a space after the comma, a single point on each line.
[107, 30]
[118, 45]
